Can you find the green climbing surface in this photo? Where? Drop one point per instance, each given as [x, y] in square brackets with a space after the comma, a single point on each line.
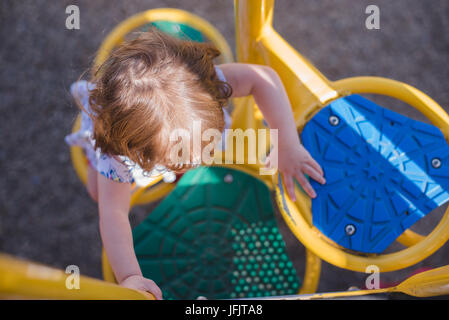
[177, 30]
[215, 235]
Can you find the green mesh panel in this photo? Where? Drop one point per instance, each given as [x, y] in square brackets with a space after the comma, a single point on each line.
[215, 235]
[177, 30]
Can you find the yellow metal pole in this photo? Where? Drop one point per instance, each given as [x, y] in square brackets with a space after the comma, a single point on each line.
[258, 43]
[20, 279]
[250, 18]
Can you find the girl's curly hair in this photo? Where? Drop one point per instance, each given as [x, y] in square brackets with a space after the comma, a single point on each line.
[150, 86]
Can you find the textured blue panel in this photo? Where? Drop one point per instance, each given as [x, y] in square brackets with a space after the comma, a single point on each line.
[384, 172]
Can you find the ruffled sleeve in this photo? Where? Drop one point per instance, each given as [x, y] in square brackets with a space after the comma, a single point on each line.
[119, 168]
[114, 169]
[227, 117]
[220, 74]
[122, 169]
[106, 165]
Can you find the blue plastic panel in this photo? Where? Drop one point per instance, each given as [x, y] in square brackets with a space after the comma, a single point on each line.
[384, 172]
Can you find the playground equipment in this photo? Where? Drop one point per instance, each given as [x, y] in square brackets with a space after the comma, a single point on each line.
[214, 243]
[215, 235]
[310, 92]
[160, 254]
[21, 279]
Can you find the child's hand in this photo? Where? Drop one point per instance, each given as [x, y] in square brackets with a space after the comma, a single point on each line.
[294, 162]
[143, 284]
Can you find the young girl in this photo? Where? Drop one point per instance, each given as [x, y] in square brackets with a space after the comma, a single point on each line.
[147, 88]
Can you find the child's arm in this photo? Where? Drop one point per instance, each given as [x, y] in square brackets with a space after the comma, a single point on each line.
[269, 93]
[115, 230]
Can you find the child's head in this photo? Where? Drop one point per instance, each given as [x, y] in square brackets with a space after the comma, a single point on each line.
[149, 87]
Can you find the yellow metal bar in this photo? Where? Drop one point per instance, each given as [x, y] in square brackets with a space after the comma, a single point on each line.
[312, 273]
[77, 155]
[20, 279]
[259, 43]
[409, 238]
[306, 87]
[313, 262]
[434, 282]
[431, 283]
[108, 273]
[250, 19]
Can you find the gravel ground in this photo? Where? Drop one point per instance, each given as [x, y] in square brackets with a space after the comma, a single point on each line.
[45, 212]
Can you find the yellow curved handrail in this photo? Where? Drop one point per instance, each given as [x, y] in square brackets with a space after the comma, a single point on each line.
[419, 247]
[398, 90]
[21, 279]
[163, 14]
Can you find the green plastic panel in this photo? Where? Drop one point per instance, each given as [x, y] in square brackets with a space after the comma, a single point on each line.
[177, 30]
[215, 235]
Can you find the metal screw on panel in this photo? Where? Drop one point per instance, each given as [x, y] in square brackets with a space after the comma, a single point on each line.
[436, 163]
[350, 229]
[228, 178]
[334, 120]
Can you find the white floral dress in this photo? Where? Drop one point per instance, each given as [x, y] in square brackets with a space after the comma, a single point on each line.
[117, 168]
